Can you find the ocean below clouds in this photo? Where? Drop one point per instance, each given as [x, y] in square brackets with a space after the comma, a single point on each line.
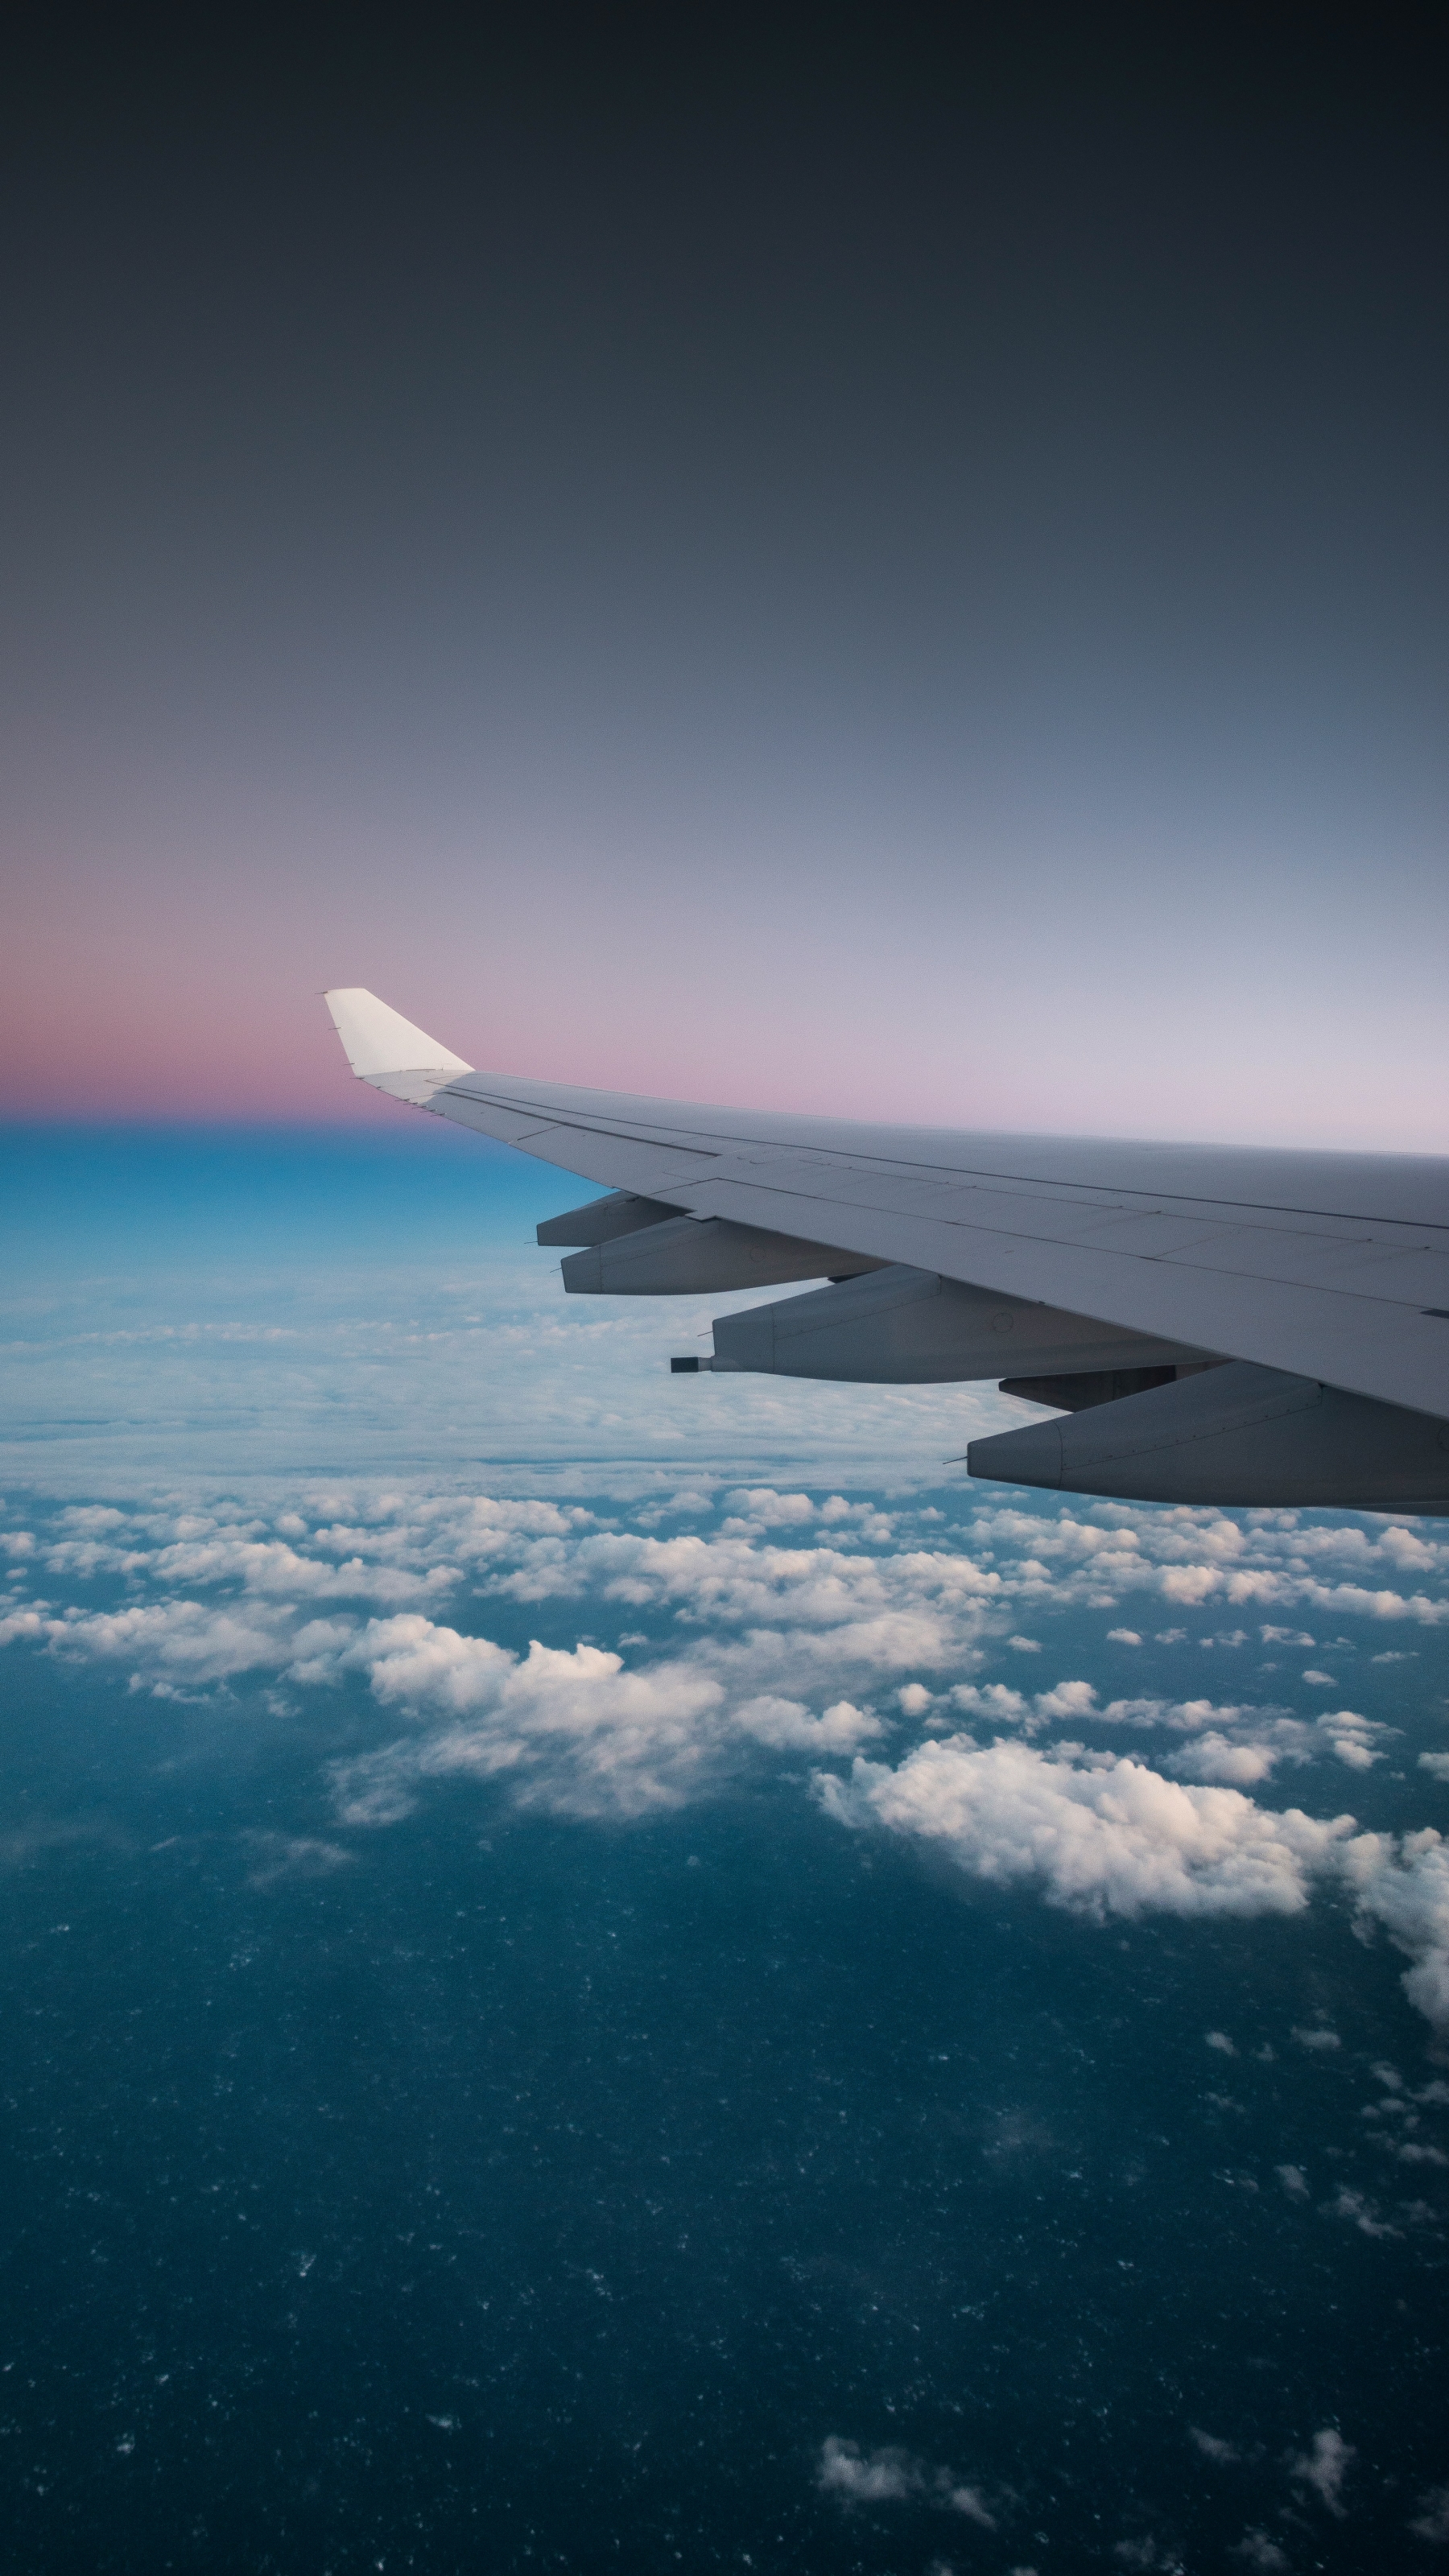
[608, 1972]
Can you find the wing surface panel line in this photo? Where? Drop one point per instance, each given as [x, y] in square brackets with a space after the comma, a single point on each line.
[622, 1119]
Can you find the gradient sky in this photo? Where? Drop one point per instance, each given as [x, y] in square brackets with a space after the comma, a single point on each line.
[885, 569]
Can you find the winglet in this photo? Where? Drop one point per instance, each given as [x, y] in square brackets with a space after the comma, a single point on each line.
[386, 1050]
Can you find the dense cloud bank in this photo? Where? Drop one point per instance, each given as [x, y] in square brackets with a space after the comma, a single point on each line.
[853, 1644]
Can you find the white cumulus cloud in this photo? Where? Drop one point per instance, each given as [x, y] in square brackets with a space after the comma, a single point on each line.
[1105, 1836]
[1404, 1885]
[792, 1728]
[574, 1730]
[784, 1632]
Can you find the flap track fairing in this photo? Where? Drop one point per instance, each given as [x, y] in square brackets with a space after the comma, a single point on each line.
[700, 1254]
[907, 1327]
[603, 1220]
[1239, 1436]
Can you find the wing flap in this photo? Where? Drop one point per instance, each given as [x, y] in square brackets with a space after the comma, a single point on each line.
[1368, 1345]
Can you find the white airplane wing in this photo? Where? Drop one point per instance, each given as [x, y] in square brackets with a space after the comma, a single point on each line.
[1111, 1281]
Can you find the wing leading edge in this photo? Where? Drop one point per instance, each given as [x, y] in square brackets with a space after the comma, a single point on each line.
[1079, 1273]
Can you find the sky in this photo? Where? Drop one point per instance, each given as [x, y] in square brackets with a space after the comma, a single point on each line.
[886, 567]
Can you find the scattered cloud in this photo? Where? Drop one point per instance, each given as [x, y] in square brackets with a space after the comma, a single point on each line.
[1069, 1699]
[856, 2477]
[164, 1644]
[1352, 1739]
[1214, 1756]
[1323, 2467]
[287, 1856]
[796, 1627]
[761, 1505]
[1359, 2212]
[1431, 2522]
[1255, 2549]
[39, 1836]
[575, 1731]
[1101, 1836]
[791, 1728]
[1405, 1887]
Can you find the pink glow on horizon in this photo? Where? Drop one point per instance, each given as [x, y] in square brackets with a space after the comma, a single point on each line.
[256, 1044]
[185, 983]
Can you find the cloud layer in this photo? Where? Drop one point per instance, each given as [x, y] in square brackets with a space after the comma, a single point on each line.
[844, 1639]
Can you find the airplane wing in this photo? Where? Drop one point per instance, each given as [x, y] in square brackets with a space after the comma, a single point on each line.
[1274, 1324]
